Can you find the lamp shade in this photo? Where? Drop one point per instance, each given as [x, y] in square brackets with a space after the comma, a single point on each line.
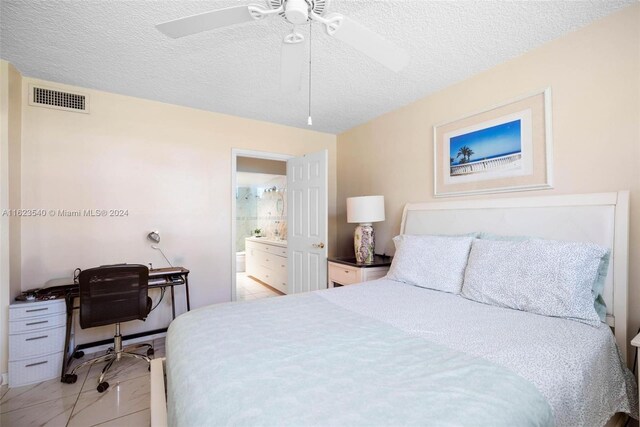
[365, 209]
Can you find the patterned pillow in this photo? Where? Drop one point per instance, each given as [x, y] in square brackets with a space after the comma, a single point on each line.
[597, 288]
[434, 262]
[546, 277]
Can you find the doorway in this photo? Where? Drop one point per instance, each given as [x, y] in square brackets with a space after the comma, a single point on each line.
[285, 254]
[259, 225]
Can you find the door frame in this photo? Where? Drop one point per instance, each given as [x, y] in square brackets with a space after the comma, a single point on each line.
[235, 153]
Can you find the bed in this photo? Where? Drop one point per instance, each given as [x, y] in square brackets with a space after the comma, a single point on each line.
[389, 353]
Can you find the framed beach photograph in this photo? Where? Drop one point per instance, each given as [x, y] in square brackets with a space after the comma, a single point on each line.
[505, 148]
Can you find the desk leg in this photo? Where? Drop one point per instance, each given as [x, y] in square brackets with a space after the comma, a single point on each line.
[173, 303]
[67, 338]
[186, 287]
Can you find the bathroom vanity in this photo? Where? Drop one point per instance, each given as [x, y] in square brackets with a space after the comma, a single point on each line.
[267, 261]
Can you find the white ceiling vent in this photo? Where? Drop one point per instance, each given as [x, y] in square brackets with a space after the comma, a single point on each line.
[60, 100]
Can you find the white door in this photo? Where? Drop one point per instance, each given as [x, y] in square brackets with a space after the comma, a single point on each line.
[307, 214]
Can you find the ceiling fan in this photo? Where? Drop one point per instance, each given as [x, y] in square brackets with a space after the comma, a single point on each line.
[296, 12]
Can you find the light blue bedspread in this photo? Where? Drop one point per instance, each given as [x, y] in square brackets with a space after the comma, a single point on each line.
[301, 360]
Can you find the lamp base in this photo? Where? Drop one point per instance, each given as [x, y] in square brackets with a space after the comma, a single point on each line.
[364, 243]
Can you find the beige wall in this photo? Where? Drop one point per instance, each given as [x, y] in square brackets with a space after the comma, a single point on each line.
[10, 140]
[170, 166]
[15, 178]
[594, 74]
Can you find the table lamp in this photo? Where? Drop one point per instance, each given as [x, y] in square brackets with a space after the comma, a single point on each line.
[365, 210]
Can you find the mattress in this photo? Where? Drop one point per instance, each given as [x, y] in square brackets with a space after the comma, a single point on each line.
[386, 353]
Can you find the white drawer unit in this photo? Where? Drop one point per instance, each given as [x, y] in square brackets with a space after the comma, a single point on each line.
[36, 341]
[35, 369]
[267, 261]
[29, 310]
[343, 272]
[35, 323]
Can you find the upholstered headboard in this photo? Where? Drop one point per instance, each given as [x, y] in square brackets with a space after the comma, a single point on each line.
[601, 218]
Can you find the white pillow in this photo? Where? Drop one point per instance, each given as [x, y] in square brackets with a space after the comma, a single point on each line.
[434, 262]
[546, 277]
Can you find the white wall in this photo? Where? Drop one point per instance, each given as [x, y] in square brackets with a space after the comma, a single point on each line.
[169, 166]
[10, 140]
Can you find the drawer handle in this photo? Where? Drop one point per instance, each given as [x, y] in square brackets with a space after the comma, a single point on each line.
[38, 323]
[282, 266]
[346, 271]
[37, 338]
[267, 259]
[36, 364]
[37, 309]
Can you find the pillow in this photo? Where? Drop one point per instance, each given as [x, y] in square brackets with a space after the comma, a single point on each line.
[598, 285]
[546, 277]
[434, 262]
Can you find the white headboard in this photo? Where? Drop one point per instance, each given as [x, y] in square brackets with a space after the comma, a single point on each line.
[601, 218]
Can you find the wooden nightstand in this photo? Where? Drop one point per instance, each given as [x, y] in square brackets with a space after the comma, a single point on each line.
[346, 271]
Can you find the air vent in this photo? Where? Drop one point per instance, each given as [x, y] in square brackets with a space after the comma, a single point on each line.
[58, 99]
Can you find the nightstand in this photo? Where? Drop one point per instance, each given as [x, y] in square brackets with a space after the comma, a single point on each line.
[346, 271]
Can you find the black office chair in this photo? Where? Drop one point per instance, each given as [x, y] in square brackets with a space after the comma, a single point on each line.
[113, 294]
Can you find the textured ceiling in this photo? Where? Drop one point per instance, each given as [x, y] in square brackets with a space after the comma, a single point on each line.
[112, 45]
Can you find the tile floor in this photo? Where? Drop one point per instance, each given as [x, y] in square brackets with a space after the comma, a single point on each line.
[247, 288]
[125, 403]
[52, 403]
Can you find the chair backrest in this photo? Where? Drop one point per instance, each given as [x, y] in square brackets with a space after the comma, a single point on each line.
[112, 294]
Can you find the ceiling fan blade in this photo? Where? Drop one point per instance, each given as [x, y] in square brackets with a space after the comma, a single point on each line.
[206, 21]
[366, 41]
[292, 60]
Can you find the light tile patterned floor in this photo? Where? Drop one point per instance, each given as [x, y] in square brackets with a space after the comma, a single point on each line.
[248, 288]
[125, 403]
[52, 403]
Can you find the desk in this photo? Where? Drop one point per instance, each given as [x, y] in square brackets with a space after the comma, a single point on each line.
[158, 278]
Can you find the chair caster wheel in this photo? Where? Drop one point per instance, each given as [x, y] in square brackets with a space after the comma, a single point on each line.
[78, 354]
[102, 387]
[70, 378]
[150, 352]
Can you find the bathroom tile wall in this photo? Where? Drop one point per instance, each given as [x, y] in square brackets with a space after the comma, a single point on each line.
[262, 206]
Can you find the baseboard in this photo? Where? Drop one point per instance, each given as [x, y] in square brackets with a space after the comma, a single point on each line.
[97, 348]
[4, 379]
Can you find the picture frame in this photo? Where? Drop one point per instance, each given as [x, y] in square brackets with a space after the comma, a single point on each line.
[505, 148]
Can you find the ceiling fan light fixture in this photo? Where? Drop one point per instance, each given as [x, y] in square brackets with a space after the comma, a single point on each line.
[296, 11]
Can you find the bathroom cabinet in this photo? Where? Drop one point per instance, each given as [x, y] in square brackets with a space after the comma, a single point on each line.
[267, 261]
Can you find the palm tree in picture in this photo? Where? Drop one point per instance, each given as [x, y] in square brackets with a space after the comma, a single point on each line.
[466, 154]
